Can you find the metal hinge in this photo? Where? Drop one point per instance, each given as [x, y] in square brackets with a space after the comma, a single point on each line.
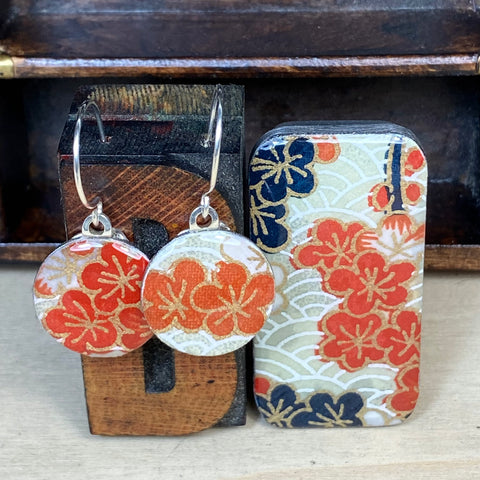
[6, 67]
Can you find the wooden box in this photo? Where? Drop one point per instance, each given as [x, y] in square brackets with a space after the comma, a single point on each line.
[411, 63]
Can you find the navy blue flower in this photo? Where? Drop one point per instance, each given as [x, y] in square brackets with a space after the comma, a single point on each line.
[279, 406]
[267, 227]
[326, 411]
[283, 168]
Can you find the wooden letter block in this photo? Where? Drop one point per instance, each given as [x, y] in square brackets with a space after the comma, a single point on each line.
[150, 176]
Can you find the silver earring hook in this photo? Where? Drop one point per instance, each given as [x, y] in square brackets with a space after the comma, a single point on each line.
[216, 119]
[97, 202]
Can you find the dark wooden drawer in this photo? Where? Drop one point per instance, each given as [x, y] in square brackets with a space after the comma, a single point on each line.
[402, 61]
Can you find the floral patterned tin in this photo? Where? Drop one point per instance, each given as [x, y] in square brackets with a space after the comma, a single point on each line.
[339, 210]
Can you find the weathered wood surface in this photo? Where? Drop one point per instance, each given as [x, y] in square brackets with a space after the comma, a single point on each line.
[246, 67]
[25, 252]
[157, 192]
[118, 404]
[235, 28]
[437, 257]
[159, 125]
[151, 174]
[452, 257]
[243, 41]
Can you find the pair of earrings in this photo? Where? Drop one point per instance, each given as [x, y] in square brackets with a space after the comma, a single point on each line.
[207, 292]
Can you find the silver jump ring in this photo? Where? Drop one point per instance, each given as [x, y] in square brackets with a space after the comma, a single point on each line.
[103, 220]
[214, 220]
[216, 118]
[82, 110]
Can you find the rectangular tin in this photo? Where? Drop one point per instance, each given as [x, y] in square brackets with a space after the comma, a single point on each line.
[339, 210]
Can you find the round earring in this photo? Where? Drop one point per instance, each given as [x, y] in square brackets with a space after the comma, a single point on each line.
[87, 291]
[209, 290]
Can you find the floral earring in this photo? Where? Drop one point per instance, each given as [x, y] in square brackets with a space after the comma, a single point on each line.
[87, 291]
[209, 290]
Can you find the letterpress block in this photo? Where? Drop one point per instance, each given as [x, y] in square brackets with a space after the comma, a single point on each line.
[150, 175]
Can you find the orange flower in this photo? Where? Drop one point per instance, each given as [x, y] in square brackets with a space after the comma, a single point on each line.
[413, 192]
[41, 287]
[332, 244]
[402, 340]
[380, 197]
[118, 278]
[135, 330]
[398, 239]
[405, 398]
[82, 328]
[369, 283]
[350, 340]
[327, 148]
[234, 302]
[167, 298]
[261, 385]
[415, 161]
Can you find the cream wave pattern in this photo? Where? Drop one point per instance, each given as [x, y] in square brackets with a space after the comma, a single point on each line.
[331, 355]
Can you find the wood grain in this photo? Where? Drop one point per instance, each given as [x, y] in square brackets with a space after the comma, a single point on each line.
[150, 176]
[437, 257]
[288, 43]
[157, 192]
[452, 257]
[205, 388]
[118, 405]
[136, 103]
[25, 252]
[234, 28]
[248, 67]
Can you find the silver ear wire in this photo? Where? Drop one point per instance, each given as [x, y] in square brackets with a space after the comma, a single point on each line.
[216, 119]
[82, 110]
